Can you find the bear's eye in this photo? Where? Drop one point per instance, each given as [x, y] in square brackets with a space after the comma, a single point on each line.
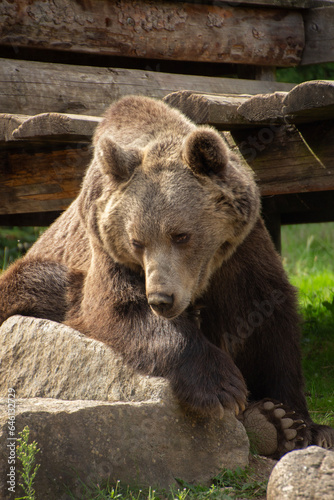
[180, 238]
[137, 245]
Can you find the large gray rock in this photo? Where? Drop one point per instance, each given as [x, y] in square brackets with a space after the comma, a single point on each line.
[303, 475]
[44, 359]
[90, 413]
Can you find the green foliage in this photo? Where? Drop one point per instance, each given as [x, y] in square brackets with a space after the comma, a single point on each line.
[305, 73]
[26, 453]
[15, 241]
[329, 306]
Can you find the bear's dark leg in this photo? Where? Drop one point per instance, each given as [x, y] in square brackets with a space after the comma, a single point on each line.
[271, 358]
[256, 311]
[34, 288]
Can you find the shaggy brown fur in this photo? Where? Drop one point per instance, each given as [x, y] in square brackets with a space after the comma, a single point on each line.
[163, 256]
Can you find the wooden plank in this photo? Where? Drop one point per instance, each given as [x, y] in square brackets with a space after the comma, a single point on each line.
[43, 180]
[307, 102]
[292, 4]
[288, 160]
[310, 101]
[9, 123]
[220, 111]
[29, 87]
[155, 29]
[319, 36]
[227, 112]
[264, 109]
[57, 126]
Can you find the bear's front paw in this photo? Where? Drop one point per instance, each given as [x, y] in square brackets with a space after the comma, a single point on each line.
[210, 387]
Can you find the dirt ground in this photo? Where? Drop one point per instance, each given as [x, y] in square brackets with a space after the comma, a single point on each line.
[262, 467]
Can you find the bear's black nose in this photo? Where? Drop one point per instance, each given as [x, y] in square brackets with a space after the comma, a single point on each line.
[161, 303]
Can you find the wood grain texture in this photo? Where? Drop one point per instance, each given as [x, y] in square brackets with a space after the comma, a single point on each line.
[307, 102]
[42, 180]
[220, 111]
[287, 159]
[319, 36]
[310, 101]
[28, 87]
[155, 29]
[292, 4]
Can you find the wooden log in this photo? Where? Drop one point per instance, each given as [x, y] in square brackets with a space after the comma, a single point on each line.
[29, 87]
[220, 111]
[41, 181]
[57, 127]
[289, 160]
[289, 4]
[9, 123]
[310, 101]
[45, 128]
[307, 102]
[319, 36]
[264, 109]
[157, 30]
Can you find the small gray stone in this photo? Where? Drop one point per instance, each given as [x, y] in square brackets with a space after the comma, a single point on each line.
[303, 475]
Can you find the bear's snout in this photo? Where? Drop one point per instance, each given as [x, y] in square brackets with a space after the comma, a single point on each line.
[161, 303]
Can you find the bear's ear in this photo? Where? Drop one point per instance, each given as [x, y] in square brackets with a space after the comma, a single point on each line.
[116, 161]
[205, 152]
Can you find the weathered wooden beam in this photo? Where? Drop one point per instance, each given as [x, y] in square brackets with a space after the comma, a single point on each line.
[9, 123]
[319, 36]
[220, 111]
[157, 30]
[310, 101]
[42, 180]
[307, 102]
[287, 159]
[292, 4]
[57, 127]
[47, 127]
[28, 87]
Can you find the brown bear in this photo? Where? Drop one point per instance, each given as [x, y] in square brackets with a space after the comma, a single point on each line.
[164, 257]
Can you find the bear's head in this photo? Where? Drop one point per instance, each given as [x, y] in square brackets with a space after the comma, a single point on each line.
[173, 210]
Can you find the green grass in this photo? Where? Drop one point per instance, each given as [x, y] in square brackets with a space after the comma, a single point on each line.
[308, 256]
[15, 241]
[228, 485]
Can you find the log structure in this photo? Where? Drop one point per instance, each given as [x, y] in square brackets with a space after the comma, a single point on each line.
[286, 137]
